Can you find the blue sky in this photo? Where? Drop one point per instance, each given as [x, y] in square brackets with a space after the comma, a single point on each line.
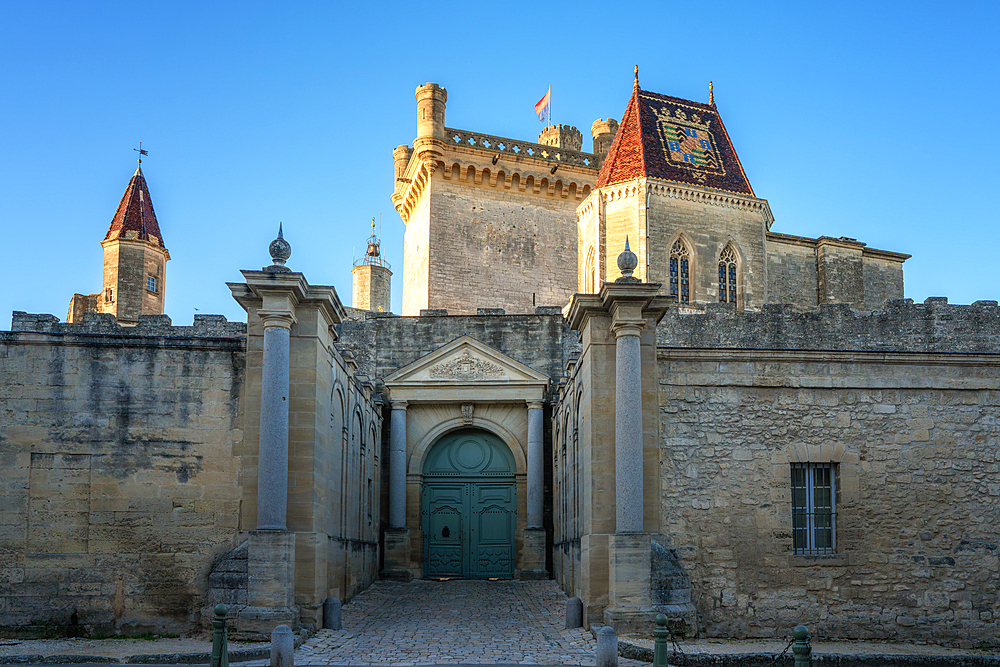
[875, 121]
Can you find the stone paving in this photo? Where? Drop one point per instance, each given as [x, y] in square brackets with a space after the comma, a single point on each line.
[451, 622]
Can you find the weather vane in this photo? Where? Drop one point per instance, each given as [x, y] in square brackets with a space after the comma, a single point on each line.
[141, 152]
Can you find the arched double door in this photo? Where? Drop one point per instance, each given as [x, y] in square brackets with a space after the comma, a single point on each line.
[469, 506]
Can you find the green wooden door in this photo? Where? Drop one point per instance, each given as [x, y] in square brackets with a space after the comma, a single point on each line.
[469, 507]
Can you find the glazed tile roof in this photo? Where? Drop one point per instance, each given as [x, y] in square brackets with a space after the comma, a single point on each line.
[135, 218]
[676, 140]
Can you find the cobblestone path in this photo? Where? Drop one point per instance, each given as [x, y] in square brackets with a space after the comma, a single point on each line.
[450, 622]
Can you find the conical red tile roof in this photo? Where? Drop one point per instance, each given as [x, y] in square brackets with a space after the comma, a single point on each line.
[676, 140]
[135, 218]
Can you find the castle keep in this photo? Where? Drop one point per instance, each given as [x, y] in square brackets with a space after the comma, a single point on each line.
[609, 370]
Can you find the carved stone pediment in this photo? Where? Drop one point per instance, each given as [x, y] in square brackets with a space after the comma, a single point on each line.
[466, 362]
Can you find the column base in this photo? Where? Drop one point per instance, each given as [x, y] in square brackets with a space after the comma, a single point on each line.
[645, 579]
[533, 555]
[396, 555]
[259, 622]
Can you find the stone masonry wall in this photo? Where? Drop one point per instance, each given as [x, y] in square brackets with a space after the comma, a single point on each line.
[791, 272]
[494, 248]
[913, 439]
[933, 326]
[905, 403]
[383, 344]
[120, 487]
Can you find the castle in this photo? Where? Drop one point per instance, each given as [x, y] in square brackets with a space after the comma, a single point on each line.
[608, 370]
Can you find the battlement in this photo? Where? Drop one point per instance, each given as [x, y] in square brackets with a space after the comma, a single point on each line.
[934, 326]
[205, 326]
[561, 136]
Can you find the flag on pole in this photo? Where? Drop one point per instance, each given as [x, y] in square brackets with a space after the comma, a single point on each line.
[542, 108]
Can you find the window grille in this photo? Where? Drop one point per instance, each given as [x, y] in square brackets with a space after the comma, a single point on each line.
[814, 511]
[680, 283]
[727, 275]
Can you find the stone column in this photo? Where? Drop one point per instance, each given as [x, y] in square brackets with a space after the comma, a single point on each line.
[536, 465]
[397, 466]
[628, 428]
[272, 458]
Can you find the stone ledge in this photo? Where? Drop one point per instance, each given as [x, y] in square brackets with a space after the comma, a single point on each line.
[204, 326]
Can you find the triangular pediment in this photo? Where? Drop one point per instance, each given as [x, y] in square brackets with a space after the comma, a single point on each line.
[466, 361]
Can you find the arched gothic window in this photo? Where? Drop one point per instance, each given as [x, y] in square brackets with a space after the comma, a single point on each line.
[727, 275]
[680, 269]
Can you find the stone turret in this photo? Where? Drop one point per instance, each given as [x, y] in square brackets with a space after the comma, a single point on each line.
[371, 278]
[603, 132]
[561, 136]
[401, 158]
[431, 99]
[135, 261]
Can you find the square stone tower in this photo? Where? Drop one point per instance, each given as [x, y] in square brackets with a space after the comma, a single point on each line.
[135, 261]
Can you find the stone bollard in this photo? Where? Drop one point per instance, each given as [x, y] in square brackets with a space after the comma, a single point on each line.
[332, 619]
[607, 647]
[801, 648]
[220, 640]
[660, 636]
[574, 613]
[282, 647]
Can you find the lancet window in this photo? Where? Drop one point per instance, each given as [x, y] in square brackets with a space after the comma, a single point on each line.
[680, 272]
[727, 275]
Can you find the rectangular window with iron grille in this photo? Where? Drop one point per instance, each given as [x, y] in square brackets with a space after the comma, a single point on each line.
[814, 510]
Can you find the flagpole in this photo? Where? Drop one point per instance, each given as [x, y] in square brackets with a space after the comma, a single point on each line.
[550, 105]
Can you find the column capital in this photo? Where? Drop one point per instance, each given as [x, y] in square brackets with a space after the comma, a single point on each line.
[276, 318]
[399, 405]
[627, 328]
[536, 405]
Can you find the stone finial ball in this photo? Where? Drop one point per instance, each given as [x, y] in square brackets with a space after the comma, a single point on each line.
[800, 632]
[280, 250]
[221, 610]
[661, 619]
[627, 261]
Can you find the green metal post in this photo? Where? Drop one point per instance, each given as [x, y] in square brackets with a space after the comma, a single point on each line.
[220, 642]
[801, 648]
[660, 634]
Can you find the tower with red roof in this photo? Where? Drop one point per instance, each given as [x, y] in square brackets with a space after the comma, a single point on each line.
[135, 261]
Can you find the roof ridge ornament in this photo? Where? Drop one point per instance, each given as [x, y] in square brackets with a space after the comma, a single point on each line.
[711, 94]
[280, 251]
[636, 84]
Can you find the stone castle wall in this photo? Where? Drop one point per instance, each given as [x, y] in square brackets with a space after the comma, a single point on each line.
[121, 488]
[905, 404]
[914, 443]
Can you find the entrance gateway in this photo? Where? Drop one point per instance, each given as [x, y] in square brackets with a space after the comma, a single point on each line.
[469, 506]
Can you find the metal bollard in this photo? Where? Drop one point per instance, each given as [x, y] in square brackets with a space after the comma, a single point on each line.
[574, 613]
[801, 648]
[220, 641]
[660, 636]
[332, 619]
[282, 647]
[607, 647]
